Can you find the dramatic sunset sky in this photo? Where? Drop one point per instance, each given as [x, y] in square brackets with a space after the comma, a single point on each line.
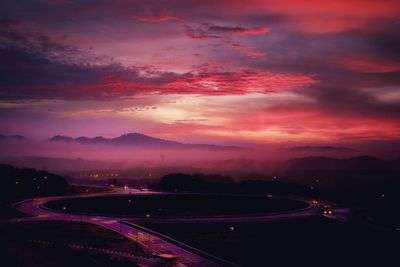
[218, 71]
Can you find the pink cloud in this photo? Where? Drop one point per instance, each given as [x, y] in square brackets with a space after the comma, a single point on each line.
[113, 86]
[248, 51]
[320, 16]
[369, 65]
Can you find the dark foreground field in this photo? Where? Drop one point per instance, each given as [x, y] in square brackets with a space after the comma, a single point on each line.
[300, 242]
[49, 244]
[161, 205]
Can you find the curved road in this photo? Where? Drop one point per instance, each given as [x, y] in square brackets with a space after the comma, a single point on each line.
[156, 242]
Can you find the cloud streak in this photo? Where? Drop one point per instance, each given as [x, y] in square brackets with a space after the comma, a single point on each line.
[160, 18]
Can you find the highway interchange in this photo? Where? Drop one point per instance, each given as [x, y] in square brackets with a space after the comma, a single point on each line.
[157, 243]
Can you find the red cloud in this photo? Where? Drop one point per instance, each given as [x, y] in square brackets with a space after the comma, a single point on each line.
[309, 123]
[229, 83]
[368, 65]
[247, 51]
[238, 30]
[113, 86]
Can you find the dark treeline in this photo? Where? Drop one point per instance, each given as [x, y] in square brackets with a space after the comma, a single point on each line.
[24, 183]
[369, 185]
[180, 182]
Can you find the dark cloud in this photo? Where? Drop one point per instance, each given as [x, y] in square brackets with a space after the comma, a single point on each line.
[206, 30]
[199, 33]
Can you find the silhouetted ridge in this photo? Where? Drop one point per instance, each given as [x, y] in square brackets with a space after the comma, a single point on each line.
[325, 163]
[140, 140]
[321, 149]
[22, 183]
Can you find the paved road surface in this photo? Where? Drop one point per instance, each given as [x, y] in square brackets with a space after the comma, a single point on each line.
[155, 242]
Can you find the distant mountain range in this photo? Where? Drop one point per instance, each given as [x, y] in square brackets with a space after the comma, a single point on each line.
[320, 149]
[10, 137]
[140, 140]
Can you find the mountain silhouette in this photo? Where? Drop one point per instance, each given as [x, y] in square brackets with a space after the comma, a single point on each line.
[139, 140]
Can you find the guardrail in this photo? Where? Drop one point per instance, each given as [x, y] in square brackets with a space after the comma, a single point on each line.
[184, 246]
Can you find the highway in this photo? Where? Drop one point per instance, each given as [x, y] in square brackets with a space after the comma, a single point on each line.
[155, 242]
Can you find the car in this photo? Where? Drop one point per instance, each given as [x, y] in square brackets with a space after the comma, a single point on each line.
[165, 260]
[326, 210]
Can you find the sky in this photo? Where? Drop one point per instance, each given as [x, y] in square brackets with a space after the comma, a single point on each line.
[202, 71]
